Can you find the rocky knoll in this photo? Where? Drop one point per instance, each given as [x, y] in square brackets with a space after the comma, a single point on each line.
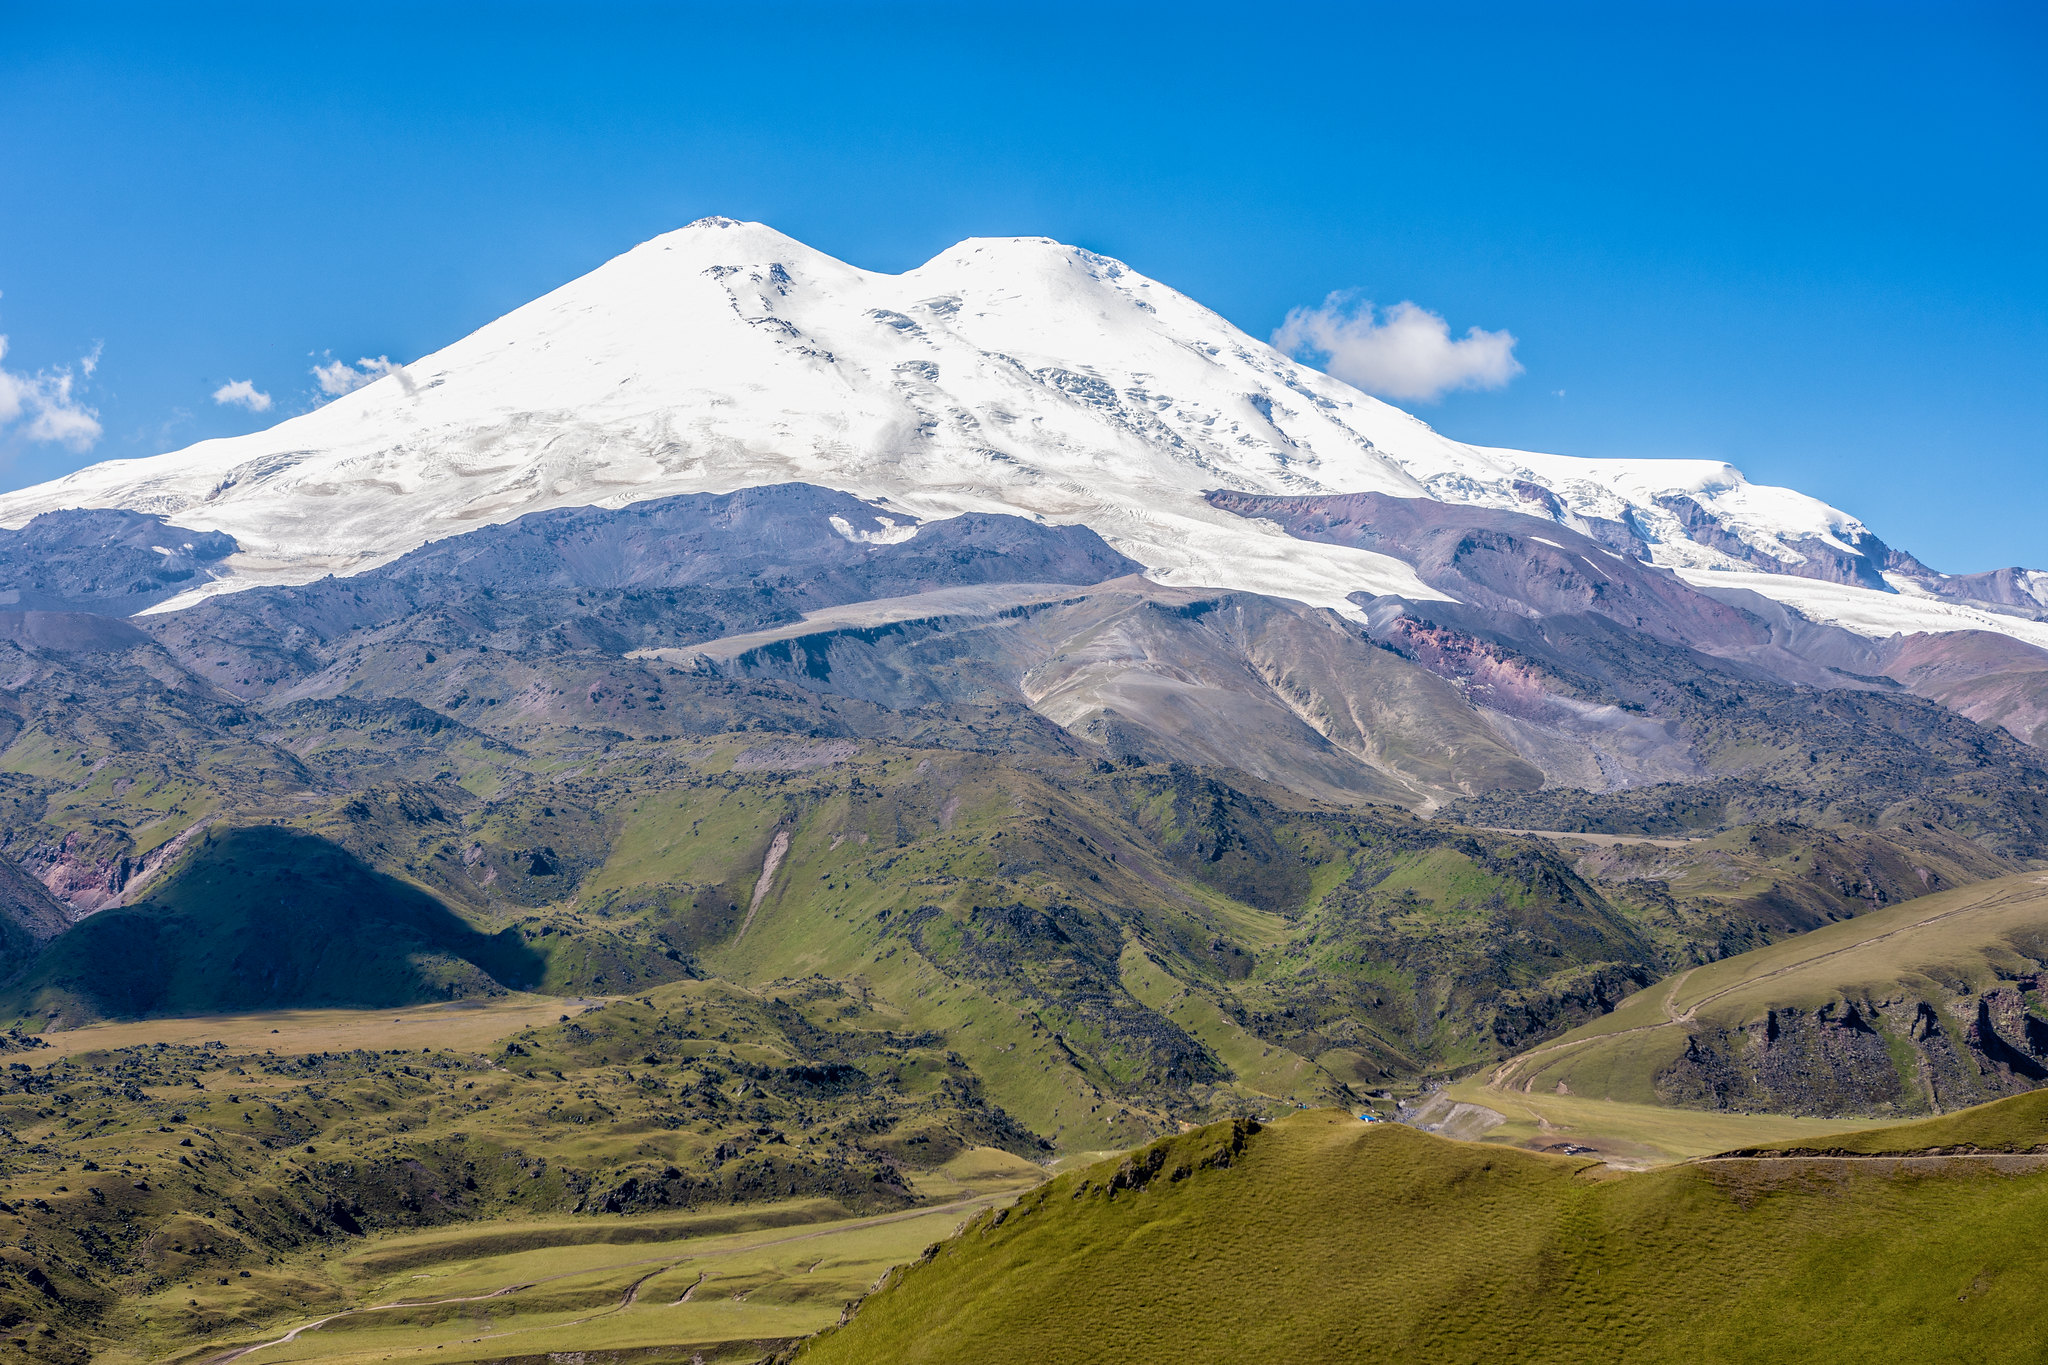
[1921, 1007]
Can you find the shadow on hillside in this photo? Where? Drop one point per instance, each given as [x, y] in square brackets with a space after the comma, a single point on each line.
[268, 918]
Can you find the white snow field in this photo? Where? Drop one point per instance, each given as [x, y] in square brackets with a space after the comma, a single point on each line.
[1910, 611]
[1004, 375]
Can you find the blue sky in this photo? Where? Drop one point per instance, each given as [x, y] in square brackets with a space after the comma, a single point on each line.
[1805, 239]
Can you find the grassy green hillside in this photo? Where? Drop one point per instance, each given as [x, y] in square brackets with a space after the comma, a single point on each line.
[1927, 1005]
[1115, 948]
[721, 1287]
[1318, 1237]
[2018, 1124]
[1119, 946]
[906, 955]
[1712, 897]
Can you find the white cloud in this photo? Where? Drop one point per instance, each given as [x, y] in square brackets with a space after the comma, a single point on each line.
[1401, 352]
[339, 377]
[242, 393]
[44, 406]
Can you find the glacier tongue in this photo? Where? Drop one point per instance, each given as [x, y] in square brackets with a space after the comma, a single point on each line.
[1004, 375]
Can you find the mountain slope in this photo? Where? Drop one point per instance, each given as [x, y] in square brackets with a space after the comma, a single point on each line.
[1913, 1008]
[1317, 1237]
[261, 918]
[662, 572]
[1005, 375]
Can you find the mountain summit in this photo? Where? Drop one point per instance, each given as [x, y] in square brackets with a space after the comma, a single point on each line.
[1011, 375]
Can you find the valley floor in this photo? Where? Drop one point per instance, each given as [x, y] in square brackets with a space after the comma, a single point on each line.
[728, 1286]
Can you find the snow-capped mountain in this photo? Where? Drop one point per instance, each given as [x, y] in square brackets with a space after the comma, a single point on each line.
[1004, 375]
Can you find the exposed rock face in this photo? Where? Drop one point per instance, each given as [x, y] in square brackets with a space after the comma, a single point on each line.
[1548, 573]
[86, 873]
[1287, 693]
[89, 872]
[1576, 737]
[1827, 1061]
[1861, 565]
[1510, 562]
[807, 543]
[666, 572]
[105, 561]
[2023, 590]
[1992, 679]
[2009, 1037]
[1903, 1055]
[29, 917]
[1620, 534]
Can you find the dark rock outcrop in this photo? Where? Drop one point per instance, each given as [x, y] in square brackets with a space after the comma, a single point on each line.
[671, 571]
[1897, 1056]
[1508, 562]
[1862, 564]
[104, 561]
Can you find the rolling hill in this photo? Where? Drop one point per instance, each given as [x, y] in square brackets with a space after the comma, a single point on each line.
[1919, 1007]
[1320, 1237]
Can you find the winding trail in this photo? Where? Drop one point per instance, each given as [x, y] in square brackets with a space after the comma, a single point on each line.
[2012, 1162]
[1996, 903]
[632, 1293]
[633, 1290]
[293, 1335]
[1506, 1070]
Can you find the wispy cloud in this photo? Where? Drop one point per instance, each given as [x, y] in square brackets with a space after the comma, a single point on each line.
[339, 377]
[45, 406]
[242, 393]
[162, 434]
[1401, 352]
